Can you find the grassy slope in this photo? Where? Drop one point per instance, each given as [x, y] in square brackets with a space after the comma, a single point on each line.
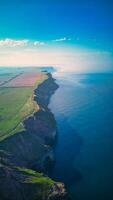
[36, 177]
[44, 184]
[15, 105]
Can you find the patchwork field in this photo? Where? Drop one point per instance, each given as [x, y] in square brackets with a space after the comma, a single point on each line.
[17, 100]
[25, 80]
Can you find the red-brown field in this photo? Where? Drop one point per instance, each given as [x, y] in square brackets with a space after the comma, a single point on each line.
[25, 79]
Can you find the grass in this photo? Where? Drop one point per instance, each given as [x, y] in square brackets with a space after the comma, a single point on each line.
[43, 184]
[36, 177]
[15, 105]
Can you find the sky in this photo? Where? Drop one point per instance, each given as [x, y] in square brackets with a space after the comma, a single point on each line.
[69, 34]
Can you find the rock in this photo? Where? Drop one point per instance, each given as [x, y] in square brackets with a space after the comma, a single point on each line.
[58, 192]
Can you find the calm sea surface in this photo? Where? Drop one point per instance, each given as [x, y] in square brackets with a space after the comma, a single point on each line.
[83, 107]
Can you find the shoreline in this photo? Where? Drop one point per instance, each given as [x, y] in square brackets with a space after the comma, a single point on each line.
[32, 148]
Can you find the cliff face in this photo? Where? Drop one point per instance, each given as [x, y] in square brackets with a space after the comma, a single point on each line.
[17, 183]
[31, 149]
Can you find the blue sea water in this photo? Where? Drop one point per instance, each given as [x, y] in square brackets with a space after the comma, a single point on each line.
[83, 107]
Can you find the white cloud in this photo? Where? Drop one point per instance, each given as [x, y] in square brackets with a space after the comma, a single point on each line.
[13, 43]
[62, 39]
[38, 43]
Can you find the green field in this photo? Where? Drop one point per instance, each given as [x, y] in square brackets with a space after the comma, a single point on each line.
[15, 105]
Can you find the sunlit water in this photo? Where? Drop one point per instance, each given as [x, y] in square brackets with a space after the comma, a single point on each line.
[83, 107]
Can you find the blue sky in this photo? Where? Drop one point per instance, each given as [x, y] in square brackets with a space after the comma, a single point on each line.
[65, 25]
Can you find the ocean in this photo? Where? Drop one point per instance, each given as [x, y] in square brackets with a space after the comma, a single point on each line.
[83, 108]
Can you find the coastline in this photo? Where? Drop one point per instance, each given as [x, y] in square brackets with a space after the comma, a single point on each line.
[32, 149]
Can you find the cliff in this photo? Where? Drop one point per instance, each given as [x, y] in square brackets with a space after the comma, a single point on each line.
[25, 156]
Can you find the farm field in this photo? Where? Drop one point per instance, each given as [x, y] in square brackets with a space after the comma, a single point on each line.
[25, 79]
[17, 101]
[4, 78]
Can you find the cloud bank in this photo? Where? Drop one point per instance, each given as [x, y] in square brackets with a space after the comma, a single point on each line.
[66, 58]
[13, 43]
